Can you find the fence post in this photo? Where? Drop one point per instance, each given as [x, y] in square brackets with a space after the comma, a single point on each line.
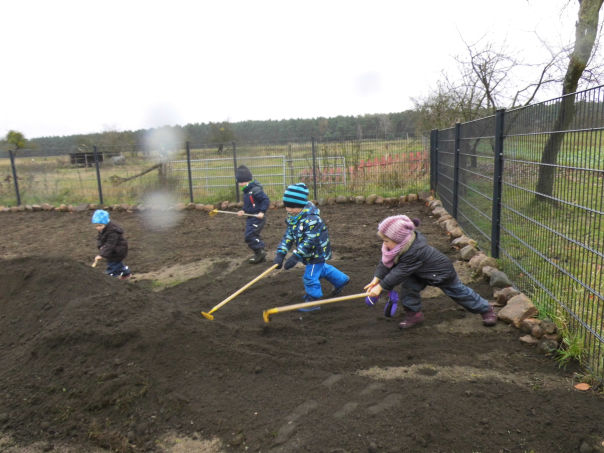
[314, 166]
[189, 171]
[98, 173]
[456, 169]
[433, 159]
[497, 184]
[14, 169]
[235, 170]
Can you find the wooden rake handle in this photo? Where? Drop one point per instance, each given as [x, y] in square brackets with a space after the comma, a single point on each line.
[208, 315]
[216, 211]
[266, 314]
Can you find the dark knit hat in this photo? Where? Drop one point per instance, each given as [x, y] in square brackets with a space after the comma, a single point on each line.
[243, 174]
[296, 195]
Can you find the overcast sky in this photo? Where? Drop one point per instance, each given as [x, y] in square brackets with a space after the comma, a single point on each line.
[77, 66]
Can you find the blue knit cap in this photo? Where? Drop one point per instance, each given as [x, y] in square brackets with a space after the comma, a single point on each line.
[101, 217]
[296, 195]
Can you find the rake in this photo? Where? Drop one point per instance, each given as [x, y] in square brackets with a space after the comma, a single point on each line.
[266, 314]
[209, 316]
[213, 212]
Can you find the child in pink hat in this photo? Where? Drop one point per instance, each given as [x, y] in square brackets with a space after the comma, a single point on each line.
[409, 261]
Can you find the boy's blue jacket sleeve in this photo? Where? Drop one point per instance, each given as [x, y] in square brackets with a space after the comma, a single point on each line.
[286, 242]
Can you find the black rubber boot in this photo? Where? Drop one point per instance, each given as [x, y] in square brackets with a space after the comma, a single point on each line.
[259, 257]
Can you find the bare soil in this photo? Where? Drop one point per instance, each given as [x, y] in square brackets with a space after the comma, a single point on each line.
[91, 363]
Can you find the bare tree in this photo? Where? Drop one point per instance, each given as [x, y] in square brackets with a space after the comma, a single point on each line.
[586, 31]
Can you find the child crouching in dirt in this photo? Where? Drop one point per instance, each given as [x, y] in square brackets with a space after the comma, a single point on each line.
[255, 202]
[308, 233]
[409, 261]
[112, 245]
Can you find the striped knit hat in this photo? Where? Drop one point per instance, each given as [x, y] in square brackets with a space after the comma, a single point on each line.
[296, 195]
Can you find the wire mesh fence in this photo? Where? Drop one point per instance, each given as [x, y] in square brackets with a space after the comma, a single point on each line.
[528, 184]
[205, 173]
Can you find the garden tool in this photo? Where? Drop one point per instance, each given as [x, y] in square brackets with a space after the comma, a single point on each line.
[266, 314]
[209, 316]
[213, 212]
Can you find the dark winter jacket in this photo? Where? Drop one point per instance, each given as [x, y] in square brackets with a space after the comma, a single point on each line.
[309, 235]
[422, 261]
[111, 243]
[254, 198]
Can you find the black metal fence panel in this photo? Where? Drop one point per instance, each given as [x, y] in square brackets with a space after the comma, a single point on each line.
[545, 217]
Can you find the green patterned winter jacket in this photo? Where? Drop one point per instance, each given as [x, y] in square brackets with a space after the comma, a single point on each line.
[308, 233]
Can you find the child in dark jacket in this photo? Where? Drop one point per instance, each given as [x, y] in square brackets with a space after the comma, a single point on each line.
[308, 233]
[255, 202]
[409, 261]
[112, 245]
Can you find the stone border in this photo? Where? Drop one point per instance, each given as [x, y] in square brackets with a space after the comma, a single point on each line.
[512, 306]
[224, 205]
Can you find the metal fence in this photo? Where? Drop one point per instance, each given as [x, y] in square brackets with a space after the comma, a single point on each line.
[205, 173]
[528, 184]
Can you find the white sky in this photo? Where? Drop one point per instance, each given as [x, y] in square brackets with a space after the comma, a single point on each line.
[78, 66]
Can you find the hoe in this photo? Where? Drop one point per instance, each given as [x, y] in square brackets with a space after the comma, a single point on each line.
[213, 212]
[266, 314]
[209, 316]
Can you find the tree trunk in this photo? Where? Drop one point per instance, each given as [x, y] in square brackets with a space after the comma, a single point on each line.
[585, 35]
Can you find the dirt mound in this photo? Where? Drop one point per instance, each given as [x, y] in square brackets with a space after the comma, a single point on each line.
[93, 362]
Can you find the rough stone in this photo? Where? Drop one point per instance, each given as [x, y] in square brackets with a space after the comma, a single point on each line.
[467, 252]
[526, 325]
[517, 309]
[528, 339]
[498, 279]
[505, 294]
[439, 211]
[463, 241]
[371, 198]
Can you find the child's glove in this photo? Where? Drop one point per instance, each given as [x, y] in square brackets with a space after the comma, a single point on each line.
[371, 301]
[278, 260]
[291, 261]
[391, 304]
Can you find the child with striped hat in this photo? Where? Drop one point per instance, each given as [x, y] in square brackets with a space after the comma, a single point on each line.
[307, 234]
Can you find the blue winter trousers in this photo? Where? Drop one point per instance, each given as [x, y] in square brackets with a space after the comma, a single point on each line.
[253, 227]
[315, 272]
[117, 269]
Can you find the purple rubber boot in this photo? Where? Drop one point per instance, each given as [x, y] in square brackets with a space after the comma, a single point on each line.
[391, 304]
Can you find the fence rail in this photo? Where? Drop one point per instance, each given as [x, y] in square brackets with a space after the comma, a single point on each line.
[199, 173]
[528, 184]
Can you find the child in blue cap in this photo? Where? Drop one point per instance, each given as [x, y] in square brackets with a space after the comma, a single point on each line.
[308, 233]
[112, 245]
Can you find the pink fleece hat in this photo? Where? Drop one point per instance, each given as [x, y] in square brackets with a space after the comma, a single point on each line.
[398, 228]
